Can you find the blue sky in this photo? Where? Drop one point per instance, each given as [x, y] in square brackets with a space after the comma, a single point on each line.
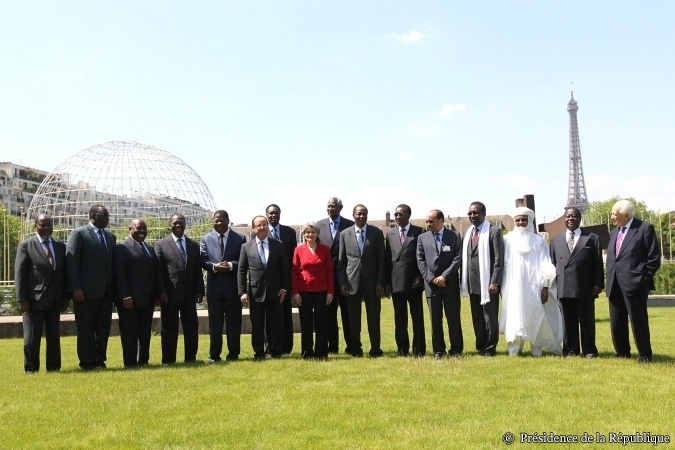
[434, 104]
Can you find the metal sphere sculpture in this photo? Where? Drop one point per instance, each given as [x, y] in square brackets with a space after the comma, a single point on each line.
[131, 179]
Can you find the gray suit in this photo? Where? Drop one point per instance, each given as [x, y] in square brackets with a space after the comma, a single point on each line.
[45, 289]
[326, 237]
[90, 267]
[184, 285]
[360, 273]
[576, 275]
[447, 263]
[485, 318]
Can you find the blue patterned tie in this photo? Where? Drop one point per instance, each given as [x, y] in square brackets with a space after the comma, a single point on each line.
[361, 239]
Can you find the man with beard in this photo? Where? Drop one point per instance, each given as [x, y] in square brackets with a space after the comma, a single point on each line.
[530, 310]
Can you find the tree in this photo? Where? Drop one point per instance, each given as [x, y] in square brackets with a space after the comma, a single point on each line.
[10, 235]
[600, 212]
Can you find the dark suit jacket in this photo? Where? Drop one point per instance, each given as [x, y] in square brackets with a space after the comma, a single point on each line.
[325, 237]
[182, 281]
[433, 264]
[289, 240]
[258, 280]
[88, 266]
[496, 264]
[633, 269]
[578, 272]
[358, 270]
[401, 259]
[223, 284]
[34, 279]
[136, 274]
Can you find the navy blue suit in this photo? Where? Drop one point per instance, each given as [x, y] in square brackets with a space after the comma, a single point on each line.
[221, 292]
[630, 276]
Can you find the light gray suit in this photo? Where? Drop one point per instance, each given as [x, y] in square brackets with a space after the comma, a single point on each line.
[361, 273]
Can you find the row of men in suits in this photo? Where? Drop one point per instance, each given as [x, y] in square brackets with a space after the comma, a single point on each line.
[367, 265]
[413, 258]
[97, 272]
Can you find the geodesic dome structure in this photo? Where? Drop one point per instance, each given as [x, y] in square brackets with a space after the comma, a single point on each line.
[131, 179]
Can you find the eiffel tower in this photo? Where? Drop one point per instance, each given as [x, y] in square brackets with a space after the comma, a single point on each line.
[576, 189]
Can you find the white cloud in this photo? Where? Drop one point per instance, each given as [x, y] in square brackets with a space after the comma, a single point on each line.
[447, 110]
[413, 37]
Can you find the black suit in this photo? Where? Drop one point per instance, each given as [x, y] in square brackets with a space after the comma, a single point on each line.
[183, 284]
[361, 272]
[45, 289]
[136, 278]
[630, 276]
[577, 273]
[289, 239]
[90, 268]
[446, 263]
[485, 317]
[262, 283]
[326, 237]
[402, 272]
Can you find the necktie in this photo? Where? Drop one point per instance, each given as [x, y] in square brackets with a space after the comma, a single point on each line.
[474, 237]
[48, 252]
[145, 250]
[101, 239]
[570, 241]
[402, 235]
[222, 247]
[182, 249]
[619, 239]
[275, 234]
[333, 228]
[360, 239]
[261, 252]
[438, 242]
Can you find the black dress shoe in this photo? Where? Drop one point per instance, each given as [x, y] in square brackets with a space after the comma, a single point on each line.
[570, 355]
[375, 353]
[644, 359]
[590, 355]
[402, 353]
[455, 355]
[260, 356]
[439, 355]
[358, 354]
[232, 358]
[419, 354]
[622, 355]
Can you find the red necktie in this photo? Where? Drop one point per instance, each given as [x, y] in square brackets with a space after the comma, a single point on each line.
[474, 238]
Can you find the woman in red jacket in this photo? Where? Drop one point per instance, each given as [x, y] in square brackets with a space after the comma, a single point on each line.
[312, 285]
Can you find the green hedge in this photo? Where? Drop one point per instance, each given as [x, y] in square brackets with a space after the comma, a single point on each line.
[665, 279]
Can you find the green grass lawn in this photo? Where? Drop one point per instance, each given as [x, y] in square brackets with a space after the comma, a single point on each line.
[344, 403]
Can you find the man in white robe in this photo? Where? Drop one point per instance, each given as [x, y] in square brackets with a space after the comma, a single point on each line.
[530, 309]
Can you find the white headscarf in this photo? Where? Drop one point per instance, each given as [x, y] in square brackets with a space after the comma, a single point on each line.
[523, 237]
